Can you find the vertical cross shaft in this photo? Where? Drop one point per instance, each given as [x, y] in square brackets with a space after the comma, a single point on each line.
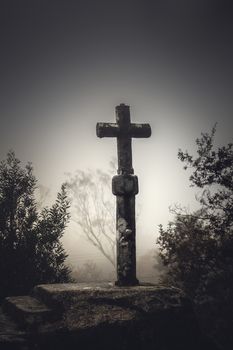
[125, 187]
[124, 141]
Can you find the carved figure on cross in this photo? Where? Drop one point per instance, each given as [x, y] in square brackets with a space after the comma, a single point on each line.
[125, 187]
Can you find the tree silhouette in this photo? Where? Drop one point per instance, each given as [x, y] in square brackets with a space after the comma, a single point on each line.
[198, 247]
[30, 247]
[93, 204]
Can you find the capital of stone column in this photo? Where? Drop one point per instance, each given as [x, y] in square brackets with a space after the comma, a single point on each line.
[125, 185]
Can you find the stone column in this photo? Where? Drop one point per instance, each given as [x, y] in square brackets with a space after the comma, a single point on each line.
[125, 187]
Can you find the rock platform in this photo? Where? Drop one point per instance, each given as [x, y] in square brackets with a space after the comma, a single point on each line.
[100, 316]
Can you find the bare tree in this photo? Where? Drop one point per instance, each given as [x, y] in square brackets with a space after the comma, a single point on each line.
[94, 208]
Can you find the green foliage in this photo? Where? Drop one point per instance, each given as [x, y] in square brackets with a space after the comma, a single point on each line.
[197, 248]
[30, 247]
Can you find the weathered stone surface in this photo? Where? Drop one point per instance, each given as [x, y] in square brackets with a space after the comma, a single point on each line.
[65, 294]
[27, 311]
[103, 316]
[125, 187]
[11, 337]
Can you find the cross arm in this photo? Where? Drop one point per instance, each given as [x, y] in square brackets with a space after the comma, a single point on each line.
[107, 130]
[140, 130]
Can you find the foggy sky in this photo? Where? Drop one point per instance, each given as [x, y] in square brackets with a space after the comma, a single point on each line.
[65, 65]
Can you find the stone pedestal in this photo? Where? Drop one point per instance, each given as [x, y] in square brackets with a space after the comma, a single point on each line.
[100, 316]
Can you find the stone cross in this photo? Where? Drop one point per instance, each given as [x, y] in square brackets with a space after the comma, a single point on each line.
[125, 187]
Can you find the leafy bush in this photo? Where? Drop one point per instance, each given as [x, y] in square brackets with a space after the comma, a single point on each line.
[197, 248]
[30, 247]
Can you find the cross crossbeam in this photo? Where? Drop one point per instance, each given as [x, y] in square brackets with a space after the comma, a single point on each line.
[116, 130]
[125, 187]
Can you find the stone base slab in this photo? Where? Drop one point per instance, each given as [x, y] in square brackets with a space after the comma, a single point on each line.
[104, 316]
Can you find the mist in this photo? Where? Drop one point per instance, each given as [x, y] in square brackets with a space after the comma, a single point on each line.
[65, 65]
